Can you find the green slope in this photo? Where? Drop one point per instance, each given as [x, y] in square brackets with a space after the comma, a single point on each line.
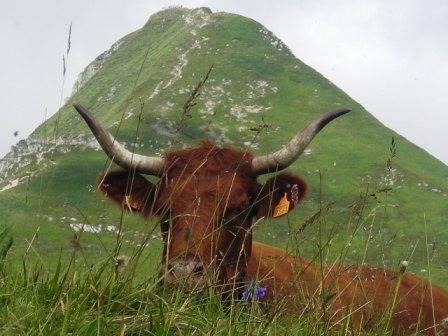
[138, 89]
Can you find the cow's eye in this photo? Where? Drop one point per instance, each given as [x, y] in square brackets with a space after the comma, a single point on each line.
[231, 215]
[239, 211]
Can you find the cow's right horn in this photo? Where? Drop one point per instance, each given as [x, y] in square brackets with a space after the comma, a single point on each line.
[117, 153]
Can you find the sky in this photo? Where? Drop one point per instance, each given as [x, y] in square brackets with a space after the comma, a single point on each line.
[390, 56]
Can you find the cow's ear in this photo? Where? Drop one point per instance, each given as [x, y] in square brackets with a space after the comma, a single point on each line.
[131, 191]
[280, 195]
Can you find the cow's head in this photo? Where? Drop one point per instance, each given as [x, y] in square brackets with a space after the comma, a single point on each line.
[207, 199]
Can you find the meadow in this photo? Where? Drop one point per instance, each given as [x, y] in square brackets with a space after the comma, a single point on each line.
[73, 263]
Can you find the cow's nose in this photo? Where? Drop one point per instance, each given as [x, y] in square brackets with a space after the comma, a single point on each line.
[185, 268]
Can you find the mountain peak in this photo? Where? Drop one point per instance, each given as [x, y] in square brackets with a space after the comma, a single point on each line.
[257, 97]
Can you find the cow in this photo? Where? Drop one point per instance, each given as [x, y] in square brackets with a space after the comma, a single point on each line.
[208, 200]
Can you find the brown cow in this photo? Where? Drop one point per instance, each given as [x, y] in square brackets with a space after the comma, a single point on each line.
[208, 198]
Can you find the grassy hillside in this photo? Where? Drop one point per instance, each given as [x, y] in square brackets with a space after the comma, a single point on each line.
[375, 213]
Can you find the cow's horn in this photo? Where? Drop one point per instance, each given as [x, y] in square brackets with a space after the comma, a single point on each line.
[116, 152]
[284, 157]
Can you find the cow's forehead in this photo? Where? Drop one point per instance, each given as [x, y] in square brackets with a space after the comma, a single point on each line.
[208, 159]
[206, 173]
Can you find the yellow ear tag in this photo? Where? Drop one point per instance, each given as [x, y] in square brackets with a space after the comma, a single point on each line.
[282, 207]
[131, 203]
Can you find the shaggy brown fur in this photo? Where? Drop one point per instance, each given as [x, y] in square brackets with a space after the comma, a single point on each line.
[363, 294]
[207, 202]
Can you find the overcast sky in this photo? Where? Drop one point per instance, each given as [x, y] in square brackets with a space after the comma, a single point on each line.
[391, 56]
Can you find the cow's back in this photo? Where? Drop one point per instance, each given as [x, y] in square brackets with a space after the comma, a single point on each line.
[365, 294]
[381, 295]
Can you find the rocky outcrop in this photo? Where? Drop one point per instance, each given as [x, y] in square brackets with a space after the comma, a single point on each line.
[93, 67]
[32, 152]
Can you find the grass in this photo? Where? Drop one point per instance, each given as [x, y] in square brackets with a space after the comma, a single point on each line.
[120, 291]
[80, 289]
[350, 154]
[109, 283]
[349, 213]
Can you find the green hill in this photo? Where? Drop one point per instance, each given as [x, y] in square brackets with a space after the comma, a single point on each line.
[138, 88]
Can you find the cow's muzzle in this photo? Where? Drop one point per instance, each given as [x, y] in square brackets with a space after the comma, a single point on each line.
[187, 272]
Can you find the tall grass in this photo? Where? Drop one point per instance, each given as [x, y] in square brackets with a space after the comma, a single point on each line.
[119, 296]
[113, 297]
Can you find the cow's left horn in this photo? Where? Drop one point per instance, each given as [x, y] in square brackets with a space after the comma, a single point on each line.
[284, 157]
[116, 152]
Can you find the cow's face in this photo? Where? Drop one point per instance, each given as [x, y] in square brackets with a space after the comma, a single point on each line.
[207, 203]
